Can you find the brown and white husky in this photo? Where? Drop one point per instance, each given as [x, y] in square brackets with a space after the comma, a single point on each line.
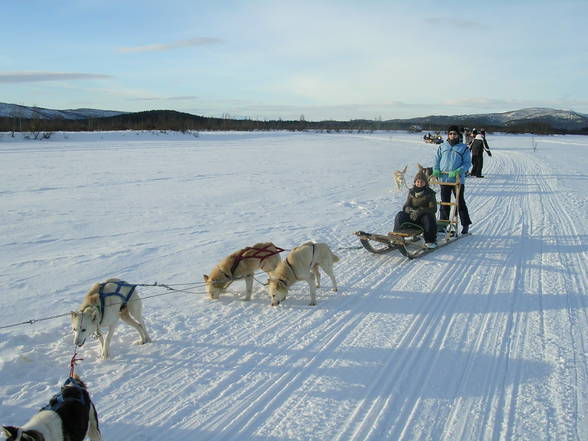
[242, 264]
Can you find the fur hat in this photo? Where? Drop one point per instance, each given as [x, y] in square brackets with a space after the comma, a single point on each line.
[422, 176]
[453, 129]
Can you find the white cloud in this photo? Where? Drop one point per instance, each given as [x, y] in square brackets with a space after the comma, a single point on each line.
[170, 98]
[203, 41]
[33, 77]
[457, 22]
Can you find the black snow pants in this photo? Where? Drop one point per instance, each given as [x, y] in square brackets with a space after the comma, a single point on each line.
[477, 163]
[446, 191]
[426, 220]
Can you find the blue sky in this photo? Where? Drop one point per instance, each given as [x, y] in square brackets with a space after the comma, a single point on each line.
[268, 59]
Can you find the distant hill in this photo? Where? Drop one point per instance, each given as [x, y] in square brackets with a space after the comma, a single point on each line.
[16, 111]
[532, 120]
[538, 117]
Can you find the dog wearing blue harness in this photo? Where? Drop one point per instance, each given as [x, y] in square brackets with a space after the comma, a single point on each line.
[103, 305]
[70, 415]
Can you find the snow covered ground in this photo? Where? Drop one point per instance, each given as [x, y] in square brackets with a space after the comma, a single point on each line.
[485, 339]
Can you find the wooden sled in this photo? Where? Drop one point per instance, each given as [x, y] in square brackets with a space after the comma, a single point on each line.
[408, 239]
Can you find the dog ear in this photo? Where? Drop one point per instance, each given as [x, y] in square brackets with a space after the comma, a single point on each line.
[94, 314]
[281, 285]
[205, 277]
[11, 432]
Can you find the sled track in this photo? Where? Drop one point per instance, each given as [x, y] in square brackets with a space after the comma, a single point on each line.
[483, 340]
[491, 321]
[502, 232]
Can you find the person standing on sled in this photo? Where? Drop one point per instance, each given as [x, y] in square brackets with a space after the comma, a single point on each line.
[420, 209]
[453, 158]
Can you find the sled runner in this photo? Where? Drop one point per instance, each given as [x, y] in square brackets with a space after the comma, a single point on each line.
[409, 245]
[408, 239]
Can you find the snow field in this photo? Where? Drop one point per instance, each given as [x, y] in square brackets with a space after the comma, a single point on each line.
[484, 339]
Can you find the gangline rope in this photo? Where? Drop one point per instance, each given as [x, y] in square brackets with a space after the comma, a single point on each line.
[168, 286]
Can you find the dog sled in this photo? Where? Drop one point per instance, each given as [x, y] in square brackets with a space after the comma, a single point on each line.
[408, 239]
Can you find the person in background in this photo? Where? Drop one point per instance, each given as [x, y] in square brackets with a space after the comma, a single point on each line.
[478, 146]
[420, 208]
[453, 158]
[486, 146]
[469, 136]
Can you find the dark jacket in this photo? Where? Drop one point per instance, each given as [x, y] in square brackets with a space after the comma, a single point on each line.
[479, 145]
[424, 200]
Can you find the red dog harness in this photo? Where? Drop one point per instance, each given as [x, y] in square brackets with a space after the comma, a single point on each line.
[260, 253]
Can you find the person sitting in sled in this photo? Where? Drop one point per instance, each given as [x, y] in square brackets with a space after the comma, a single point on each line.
[420, 209]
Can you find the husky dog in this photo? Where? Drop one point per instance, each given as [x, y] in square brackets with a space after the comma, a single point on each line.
[302, 263]
[103, 305]
[428, 171]
[70, 415]
[399, 178]
[242, 264]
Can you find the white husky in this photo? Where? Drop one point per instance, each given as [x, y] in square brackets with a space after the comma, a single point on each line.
[400, 178]
[302, 263]
[70, 415]
[102, 307]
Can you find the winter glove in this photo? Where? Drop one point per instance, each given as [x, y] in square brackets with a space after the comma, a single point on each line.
[453, 174]
[488, 151]
[414, 214]
[436, 173]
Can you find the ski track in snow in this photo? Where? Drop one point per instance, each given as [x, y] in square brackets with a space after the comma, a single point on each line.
[485, 339]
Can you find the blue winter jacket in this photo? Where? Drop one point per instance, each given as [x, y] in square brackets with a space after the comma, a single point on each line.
[449, 158]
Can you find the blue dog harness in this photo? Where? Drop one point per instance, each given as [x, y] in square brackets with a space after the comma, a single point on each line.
[57, 400]
[125, 299]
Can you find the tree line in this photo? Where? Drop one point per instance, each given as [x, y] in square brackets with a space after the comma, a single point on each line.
[183, 122]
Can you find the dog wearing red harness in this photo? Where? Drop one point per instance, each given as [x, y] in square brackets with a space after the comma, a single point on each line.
[302, 263]
[103, 305]
[70, 415]
[242, 264]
